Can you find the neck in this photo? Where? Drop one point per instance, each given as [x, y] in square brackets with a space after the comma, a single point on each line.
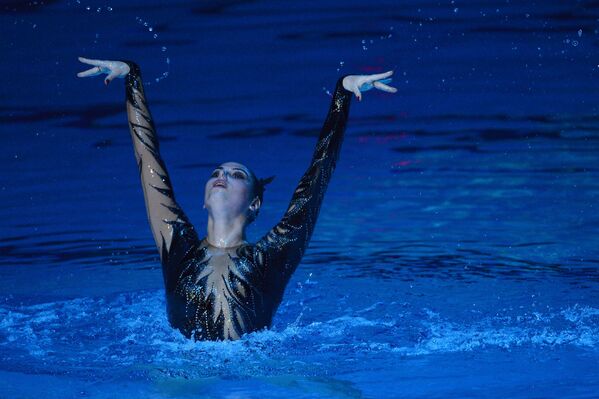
[224, 233]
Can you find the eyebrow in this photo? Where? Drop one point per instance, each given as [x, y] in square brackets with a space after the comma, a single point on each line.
[220, 167]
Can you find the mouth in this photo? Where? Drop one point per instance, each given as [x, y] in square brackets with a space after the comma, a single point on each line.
[219, 183]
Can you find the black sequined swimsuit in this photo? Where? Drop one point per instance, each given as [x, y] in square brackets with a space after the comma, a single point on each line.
[221, 293]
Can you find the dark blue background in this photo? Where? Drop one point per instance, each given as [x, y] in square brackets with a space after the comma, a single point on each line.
[459, 230]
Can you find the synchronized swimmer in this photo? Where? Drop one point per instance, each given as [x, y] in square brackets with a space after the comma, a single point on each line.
[221, 287]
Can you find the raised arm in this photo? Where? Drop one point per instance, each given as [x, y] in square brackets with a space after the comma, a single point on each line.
[167, 220]
[282, 248]
[173, 233]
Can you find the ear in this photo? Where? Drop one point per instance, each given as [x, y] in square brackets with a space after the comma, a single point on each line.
[255, 204]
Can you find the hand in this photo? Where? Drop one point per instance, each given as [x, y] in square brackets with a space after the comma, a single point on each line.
[114, 69]
[355, 83]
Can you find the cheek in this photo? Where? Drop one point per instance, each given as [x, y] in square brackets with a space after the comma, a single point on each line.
[243, 189]
[207, 186]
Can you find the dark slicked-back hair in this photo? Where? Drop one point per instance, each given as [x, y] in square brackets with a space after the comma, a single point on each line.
[259, 185]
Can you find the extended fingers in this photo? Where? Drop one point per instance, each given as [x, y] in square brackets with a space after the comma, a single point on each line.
[90, 72]
[379, 76]
[104, 65]
[99, 67]
[384, 87]
[91, 62]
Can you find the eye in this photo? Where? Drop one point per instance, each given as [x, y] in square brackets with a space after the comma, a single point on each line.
[239, 175]
[214, 174]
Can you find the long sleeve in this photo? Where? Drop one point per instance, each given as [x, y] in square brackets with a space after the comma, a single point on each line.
[173, 233]
[281, 249]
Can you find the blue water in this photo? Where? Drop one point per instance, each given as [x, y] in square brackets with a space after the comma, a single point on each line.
[456, 254]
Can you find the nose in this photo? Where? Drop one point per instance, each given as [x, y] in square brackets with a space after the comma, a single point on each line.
[222, 175]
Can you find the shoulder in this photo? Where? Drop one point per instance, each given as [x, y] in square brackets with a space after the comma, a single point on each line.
[247, 251]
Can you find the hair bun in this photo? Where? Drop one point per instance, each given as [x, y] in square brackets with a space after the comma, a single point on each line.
[264, 182]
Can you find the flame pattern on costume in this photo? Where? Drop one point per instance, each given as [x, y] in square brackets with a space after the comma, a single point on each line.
[222, 293]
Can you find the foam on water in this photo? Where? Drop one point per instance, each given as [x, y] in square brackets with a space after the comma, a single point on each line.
[455, 254]
[94, 336]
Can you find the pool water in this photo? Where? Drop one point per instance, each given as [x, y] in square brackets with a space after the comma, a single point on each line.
[456, 253]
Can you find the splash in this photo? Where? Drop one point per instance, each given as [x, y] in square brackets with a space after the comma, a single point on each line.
[130, 332]
[365, 45]
[145, 25]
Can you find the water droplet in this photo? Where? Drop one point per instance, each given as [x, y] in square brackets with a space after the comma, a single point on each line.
[163, 48]
[579, 32]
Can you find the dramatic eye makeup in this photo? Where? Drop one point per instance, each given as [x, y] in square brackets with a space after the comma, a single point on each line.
[238, 174]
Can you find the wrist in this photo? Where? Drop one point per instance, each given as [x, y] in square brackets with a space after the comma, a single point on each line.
[134, 69]
[341, 85]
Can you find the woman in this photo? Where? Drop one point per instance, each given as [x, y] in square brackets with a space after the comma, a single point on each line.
[221, 286]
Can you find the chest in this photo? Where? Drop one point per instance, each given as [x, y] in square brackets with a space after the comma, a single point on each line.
[221, 274]
[221, 294]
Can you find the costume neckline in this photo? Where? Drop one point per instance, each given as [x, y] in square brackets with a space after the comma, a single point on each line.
[214, 246]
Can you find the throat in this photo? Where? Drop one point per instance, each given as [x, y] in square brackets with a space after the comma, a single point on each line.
[225, 233]
[225, 246]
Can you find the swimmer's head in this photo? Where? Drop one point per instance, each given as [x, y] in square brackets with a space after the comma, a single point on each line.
[233, 189]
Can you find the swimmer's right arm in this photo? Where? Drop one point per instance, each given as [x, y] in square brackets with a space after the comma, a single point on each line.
[167, 220]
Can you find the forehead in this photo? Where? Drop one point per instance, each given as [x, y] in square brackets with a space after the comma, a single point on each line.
[233, 165]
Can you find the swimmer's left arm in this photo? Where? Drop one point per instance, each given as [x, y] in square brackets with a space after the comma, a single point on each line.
[285, 244]
[282, 248]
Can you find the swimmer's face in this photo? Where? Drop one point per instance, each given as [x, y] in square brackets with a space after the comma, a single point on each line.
[229, 189]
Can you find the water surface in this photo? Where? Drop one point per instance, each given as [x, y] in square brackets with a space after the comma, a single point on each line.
[456, 251]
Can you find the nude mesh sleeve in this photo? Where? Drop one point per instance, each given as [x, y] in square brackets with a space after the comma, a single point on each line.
[173, 233]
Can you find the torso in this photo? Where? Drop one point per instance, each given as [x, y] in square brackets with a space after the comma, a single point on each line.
[222, 294]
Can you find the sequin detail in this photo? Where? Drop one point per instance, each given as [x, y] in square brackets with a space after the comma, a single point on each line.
[219, 294]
